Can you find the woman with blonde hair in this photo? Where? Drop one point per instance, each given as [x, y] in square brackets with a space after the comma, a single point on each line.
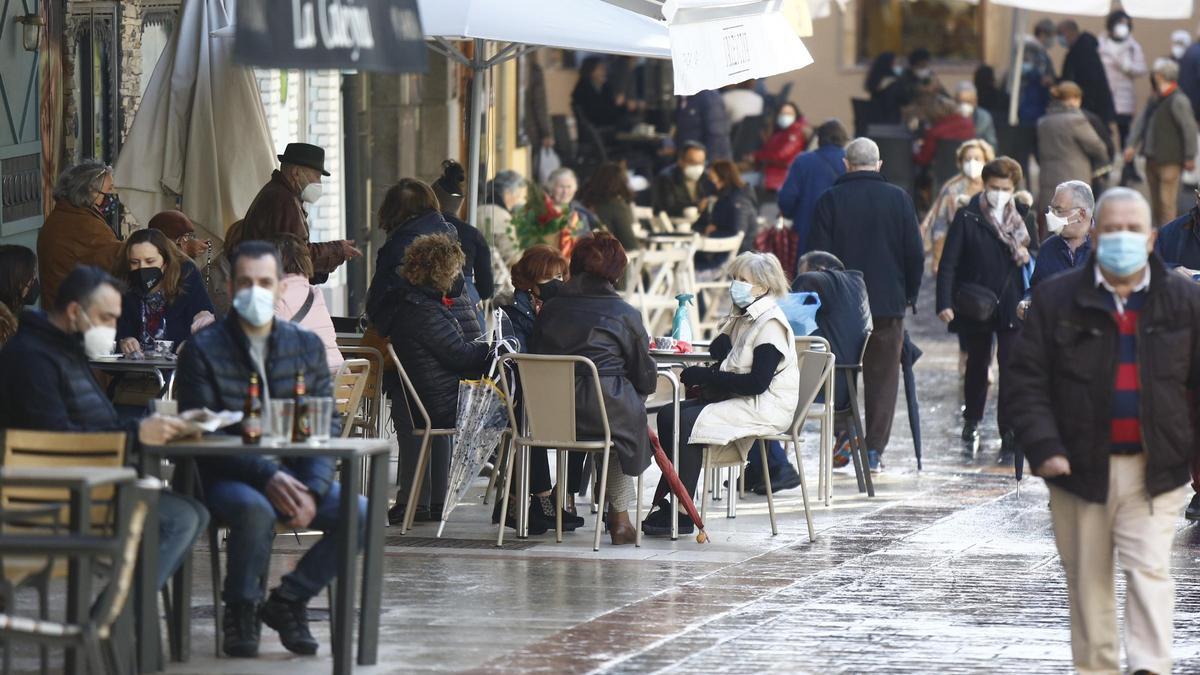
[752, 390]
[957, 191]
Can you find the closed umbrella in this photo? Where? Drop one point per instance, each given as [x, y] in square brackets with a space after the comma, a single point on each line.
[908, 356]
[482, 419]
[676, 486]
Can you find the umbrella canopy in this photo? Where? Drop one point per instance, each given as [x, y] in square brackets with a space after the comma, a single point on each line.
[200, 134]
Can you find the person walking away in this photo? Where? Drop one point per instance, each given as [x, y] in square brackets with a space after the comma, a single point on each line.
[1189, 75]
[682, 185]
[788, 140]
[701, 118]
[1124, 63]
[1084, 67]
[281, 207]
[1100, 396]
[979, 285]
[19, 287]
[1165, 133]
[862, 207]
[967, 99]
[77, 231]
[1037, 76]
[1068, 147]
[809, 176]
[1069, 220]
[971, 157]
[589, 318]
[302, 303]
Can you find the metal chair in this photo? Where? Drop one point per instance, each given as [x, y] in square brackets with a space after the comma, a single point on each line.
[858, 450]
[711, 294]
[120, 547]
[823, 413]
[549, 405]
[426, 431]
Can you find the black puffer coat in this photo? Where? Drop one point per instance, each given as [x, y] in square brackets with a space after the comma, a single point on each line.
[214, 373]
[974, 254]
[381, 305]
[46, 383]
[588, 318]
[436, 351]
[521, 316]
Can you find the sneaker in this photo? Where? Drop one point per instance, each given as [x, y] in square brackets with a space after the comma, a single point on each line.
[875, 461]
[240, 630]
[1193, 509]
[658, 523]
[970, 437]
[290, 619]
[841, 451]
[787, 479]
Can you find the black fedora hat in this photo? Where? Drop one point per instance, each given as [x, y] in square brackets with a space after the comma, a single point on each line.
[304, 154]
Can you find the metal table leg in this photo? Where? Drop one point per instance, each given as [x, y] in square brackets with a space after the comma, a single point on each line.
[372, 584]
[181, 587]
[347, 547]
[149, 634]
[79, 578]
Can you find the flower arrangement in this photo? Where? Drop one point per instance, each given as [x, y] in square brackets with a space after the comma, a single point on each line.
[540, 221]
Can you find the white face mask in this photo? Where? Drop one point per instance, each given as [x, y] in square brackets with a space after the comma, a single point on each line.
[311, 193]
[998, 199]
[256, 305]
[97, 340]
[966, 109]
[1054, 224]
[973, 168]
[1121, 31]
[784, 121]
[1178, 50]
[693, 172]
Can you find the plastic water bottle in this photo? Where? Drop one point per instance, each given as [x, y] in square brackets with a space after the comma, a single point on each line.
[681, 327]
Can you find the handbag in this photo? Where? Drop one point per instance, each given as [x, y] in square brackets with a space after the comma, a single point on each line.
[977, 303]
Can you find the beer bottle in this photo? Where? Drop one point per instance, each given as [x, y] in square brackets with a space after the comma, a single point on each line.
[252, 414]
[301, 425]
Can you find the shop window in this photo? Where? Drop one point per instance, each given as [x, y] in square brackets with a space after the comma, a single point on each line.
[91, 106]
[950, 29]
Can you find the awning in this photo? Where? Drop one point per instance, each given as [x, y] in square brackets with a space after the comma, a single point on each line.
[720, 42]
[1141, 9]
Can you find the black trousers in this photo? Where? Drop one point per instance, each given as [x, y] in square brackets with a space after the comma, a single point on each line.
[539, 471]
[691, 457]
[979, 359]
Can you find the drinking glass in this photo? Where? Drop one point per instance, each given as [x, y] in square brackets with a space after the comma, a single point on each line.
[282, 412]
[321, 410]
[161, 406]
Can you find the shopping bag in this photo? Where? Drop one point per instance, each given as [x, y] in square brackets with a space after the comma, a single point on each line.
[801, 311]
[548, 163]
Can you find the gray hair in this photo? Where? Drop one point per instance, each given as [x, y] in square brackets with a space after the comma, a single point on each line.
[1167, 69]
[966, 87]
[1122, 195]
[1045, 26]
[762, 269]
[1081, 194]
[862, 152]
[79, 184]
[559, 173]
[505, 182]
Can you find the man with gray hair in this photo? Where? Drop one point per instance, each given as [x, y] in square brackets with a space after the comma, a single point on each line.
[1099, 389]
[1069, 220]
[871, 226]
[967, 98]
[1165, 133]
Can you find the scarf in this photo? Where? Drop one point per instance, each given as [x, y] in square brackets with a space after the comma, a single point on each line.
[154, 317]
[1010, 228]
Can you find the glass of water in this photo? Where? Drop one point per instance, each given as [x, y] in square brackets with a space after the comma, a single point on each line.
[282, 412]
[321, 409]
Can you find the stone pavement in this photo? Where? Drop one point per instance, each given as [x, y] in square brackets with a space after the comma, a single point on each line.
[949, 570]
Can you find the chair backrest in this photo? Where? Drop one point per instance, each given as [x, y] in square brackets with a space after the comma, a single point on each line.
[25, 448]
[410, 399]
[372, 417]
[814, 343]
[720, 244]
[547, 384]
[864, 115]
[861, 355]
[348, 388]
[815, 368]
[134, 501]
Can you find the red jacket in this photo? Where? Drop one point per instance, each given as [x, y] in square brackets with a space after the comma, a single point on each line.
[777, 153]
[950, 128]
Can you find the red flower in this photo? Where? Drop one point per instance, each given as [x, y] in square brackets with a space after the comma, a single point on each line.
[549, 213]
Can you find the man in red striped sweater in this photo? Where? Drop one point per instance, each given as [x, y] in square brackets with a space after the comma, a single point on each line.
[1102, 380]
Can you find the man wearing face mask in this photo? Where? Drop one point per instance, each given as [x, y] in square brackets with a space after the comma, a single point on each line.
[77, 231]
[1101, 381]
[281, 207]
[48, 386]
[682, 185]
[250, 493]
[1069, 222]
[1165, 133]
[967, 98]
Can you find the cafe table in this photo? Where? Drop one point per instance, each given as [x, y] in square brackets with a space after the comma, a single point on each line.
[351, 453]
[160, 367]
[670, 357]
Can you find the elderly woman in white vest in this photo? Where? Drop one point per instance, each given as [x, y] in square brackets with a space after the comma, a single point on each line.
[752, 391]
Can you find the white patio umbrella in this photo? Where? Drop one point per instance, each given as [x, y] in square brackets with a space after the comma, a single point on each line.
[200, 135]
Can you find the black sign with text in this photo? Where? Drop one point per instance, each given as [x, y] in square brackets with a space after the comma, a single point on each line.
[376, 35]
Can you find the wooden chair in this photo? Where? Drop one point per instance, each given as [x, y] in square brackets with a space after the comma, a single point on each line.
[348, 388]
[426, 431]
[371, 420]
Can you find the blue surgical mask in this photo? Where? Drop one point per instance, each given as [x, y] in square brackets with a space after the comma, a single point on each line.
[256, 305]
[741, 293]
[1122, 253]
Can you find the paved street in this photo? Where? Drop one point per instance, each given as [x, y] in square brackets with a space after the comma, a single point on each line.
[949, 570]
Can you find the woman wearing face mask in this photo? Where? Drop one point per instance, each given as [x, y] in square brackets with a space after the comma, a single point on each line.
[979, 284]
[436, 353]
[789, 139]
[1124, 63]
[751, 392]
[885, 89]
[949, 124]
[77, 231]
[165, 298]
[1068, 146]
[957, 191]
[19, 287]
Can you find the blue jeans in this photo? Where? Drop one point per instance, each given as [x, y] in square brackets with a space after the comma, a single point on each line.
[180, 521]
[251, 519]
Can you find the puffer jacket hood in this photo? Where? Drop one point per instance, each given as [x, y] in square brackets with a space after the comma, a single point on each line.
[381, 300]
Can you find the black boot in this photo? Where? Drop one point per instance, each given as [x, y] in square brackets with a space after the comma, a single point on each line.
[1193, 509]
[290, 619]
[970, 437]
[1008, 449]
[241, 630]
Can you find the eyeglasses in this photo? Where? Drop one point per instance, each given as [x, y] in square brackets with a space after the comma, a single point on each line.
[1062, 213]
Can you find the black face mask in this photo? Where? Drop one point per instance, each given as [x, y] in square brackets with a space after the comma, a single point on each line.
[549, 289]
[34, 292]
[456, 288]
[146, 278]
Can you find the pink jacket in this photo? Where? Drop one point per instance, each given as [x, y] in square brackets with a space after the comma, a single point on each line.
[293, 293]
